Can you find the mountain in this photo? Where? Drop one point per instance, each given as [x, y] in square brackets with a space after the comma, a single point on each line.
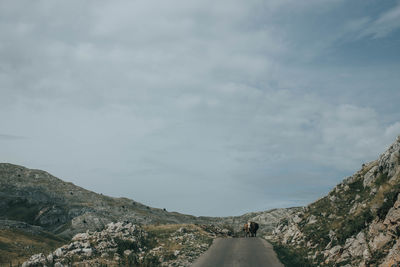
[19, 240]
[127, 244]
[40, 212]
[38, 198]
[267, 220]
[356, 224]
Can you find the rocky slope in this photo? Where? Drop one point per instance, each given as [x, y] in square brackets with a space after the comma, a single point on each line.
[38, 198]
[356, 224]
[126, 244]
[18, 239]
[45, 212]
[267, 220]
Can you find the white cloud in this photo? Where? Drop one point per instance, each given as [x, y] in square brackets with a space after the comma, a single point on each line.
[384, 24]
[392, 131]
[171, 97]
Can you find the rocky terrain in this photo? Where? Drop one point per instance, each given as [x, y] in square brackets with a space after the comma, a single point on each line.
[356, 224]
[38, 198]
[40, 212]
[126, 244]
[19, 240]
[267, 220]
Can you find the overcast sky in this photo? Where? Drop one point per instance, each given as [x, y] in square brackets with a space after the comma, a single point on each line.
[202, 107]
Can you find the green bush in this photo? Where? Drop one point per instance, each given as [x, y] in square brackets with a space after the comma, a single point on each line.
[123, 245]
[390, 198]
[131, 260]
[353, 225]
[150, 261]
[357, 185]
[382, 178]
[292, 258]
[318, 233]
[20, 209]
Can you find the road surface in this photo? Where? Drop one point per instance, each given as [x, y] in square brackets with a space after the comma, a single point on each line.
[239, 252]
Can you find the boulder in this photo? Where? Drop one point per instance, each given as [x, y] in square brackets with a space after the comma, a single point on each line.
[312, 219]
[296, 219]
[59, 252]
[50, 258]
[80, 236]
[370, 176]
[358, 245]
[393, 216]
[379, 241]
[335, 250]
[393, 257]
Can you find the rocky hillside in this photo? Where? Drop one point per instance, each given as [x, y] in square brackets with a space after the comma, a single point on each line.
[40, 212]
[38, 198]
[126, 244]
[267, 220]
[356, 224]
[19, 240]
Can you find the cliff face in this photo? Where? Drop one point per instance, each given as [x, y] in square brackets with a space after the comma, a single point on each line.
[356, 224]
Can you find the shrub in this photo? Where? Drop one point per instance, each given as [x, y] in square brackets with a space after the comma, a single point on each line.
[382, 178]
[292, 258]
[354, 225]
[150, 261]
[357, 185]
[123, 245]
[131, 260]
[390, 198]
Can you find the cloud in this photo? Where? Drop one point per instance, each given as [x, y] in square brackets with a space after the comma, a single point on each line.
[11, 137]
[374, 26]
[179, 103]
[392, 130]
[386, 23]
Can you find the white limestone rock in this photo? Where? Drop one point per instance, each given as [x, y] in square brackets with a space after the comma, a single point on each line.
[370, 176]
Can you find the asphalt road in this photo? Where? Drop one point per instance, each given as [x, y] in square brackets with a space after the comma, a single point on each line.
[239, 252]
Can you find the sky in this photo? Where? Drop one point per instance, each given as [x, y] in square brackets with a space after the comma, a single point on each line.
[202, 107]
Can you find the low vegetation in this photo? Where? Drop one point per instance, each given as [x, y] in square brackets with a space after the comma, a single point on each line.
[16, 245]
[292, 258]
[356, 224]
[127, 244]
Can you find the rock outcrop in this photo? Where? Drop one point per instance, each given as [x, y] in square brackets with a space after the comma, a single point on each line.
[36, 202]
[38, 198]
[267, 220]
[356, 224]
[127, 244]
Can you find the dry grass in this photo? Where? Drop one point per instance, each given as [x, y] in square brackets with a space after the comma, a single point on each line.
[168, 227]
[17, 246]
[162, 233]
[380, 195]
[367, 167]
